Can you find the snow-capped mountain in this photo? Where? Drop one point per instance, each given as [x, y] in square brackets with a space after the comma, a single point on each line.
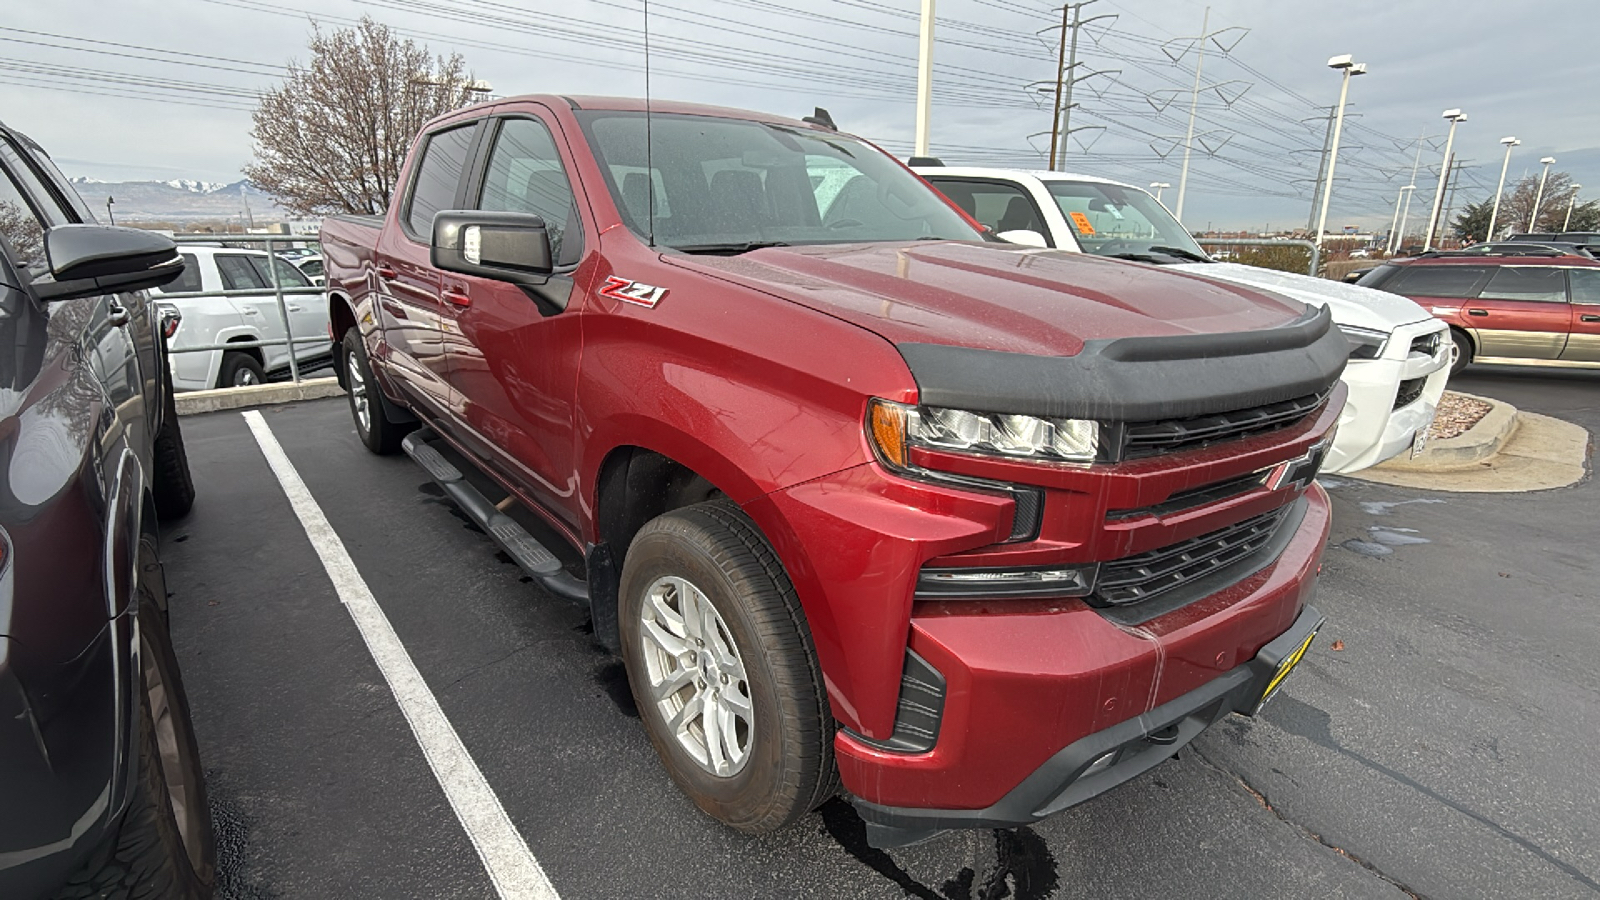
[178, 200]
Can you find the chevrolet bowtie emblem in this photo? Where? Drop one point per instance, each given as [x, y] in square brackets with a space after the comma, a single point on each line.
[1299, 472]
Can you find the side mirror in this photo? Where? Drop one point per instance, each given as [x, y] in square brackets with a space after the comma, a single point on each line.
[86, 260]
[504, 246]
[1026, 237]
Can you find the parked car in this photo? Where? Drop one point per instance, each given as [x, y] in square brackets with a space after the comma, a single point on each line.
[311, 265]
[1532, 305]
[211, 321]
[1588, 240]
[101, 787]
[1399, 358]
[850, 487]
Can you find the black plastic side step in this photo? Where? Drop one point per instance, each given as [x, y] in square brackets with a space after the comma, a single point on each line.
[532, 556]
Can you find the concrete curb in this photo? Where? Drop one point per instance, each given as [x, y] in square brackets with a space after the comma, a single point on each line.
[192, 403]
[1466, 450]
[1541, 454]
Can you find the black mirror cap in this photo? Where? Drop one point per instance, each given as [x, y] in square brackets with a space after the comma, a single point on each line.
[503, 246]
[99, 259]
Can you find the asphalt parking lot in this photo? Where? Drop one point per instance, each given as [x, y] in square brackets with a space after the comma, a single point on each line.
[1445, 749]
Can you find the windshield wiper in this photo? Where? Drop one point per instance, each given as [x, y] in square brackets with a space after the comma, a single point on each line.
[732, 248]
[1181, 253]
[1136, 257]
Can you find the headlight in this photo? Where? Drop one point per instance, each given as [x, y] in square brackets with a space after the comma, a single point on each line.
[1364, 342]
[896, 427]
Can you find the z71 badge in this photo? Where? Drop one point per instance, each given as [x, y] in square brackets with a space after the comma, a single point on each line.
[646, 295]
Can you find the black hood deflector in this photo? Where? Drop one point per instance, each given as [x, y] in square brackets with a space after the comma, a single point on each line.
[1137, 379]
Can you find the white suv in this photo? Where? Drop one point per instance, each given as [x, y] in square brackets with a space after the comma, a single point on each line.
[1400, 353]
[208, 321]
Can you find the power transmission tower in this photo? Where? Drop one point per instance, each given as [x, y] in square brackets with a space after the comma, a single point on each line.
[1454, 178]
[1198, 44]
[1067, 75]
[1322, 169]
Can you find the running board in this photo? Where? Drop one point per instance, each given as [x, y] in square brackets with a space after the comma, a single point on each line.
[515, 540]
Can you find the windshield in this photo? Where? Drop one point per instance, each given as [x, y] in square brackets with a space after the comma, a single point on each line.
[727, 184]
[1112, 220]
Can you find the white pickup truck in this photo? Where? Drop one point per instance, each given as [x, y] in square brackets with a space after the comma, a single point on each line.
[209, 321]
[1400, 354]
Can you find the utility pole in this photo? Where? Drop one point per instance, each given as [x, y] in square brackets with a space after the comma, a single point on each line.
[1450, 204]
[1067, 76]
[1571, 202]
[1410, 190]
[1322, 169]
[1194, 106]
[924, 78]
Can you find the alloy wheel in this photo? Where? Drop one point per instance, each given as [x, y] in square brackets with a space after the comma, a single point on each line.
[358, 393]
[696, 675]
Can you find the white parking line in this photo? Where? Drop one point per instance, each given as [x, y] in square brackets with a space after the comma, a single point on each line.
[511, 865]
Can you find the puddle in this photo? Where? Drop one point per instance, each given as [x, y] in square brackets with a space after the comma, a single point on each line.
[1331, 483]
[1396, 537]
[1381, 508]
[1367, 548]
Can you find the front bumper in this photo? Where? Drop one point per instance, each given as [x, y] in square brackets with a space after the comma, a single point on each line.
[1107, 758]
[1372, 428]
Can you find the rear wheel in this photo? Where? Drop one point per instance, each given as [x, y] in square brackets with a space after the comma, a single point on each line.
[240, 370]
[723, 670]
[377, 431]
[173, 486]
[1463, 354]
[165, 846]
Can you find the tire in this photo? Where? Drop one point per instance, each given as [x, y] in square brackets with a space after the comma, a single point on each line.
[380, 434]
[173, 485]
[240, 370]
[151, 855]
[718, 557]
[1463, 351]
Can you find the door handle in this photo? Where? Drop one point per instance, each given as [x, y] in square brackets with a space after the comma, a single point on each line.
[457, 298]
[294, 308]
[1589, 318]
[1477, 312]
[387, 273]
[116, 314]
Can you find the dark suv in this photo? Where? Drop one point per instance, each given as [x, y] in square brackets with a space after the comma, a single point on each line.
[1536, 305]
[101, 792]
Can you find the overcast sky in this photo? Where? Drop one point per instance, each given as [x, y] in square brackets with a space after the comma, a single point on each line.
[127, 112]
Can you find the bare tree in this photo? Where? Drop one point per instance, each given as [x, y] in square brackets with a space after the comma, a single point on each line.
[1516, 205]
[332, 138]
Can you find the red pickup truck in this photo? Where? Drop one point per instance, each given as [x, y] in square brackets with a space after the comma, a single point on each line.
[859, 493]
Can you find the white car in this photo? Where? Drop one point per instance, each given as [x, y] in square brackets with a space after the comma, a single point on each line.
[209, 321]
[1400, 354]
[311, 265]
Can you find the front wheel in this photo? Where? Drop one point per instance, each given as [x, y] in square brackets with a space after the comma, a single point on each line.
[723, 670]
[1463, 352]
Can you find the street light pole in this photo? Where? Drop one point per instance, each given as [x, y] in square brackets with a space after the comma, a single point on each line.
[110, 201]
[924, 77]
[1411, 187]
[1456, 117]
[1351, 69]
[1159, 186]
[1509, 142]
[1538, 197]
[1573, 201]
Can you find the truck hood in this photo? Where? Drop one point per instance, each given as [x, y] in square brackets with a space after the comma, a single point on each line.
[997, 297]
[1350, 304]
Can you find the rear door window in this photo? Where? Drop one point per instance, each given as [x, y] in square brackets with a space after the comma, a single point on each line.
[238, 273]
[438, 178]
[1585, 285]
[1538, 284]
[288, 275]
[1437, 281]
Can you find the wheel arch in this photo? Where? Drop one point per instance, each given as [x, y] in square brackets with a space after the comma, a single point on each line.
[341, 318]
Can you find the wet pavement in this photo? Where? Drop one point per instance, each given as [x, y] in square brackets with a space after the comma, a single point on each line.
[1437, 741]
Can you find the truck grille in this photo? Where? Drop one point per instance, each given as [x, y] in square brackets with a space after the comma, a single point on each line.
[1140, 439]
[1136, 578]
[1409, 392]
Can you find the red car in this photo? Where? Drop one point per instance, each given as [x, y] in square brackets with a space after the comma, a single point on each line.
[1506, 304]
[858, 494]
